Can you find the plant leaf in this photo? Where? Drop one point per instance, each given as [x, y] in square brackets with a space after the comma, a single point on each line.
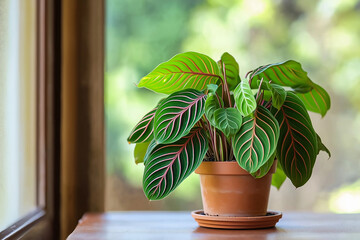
[231, 70]
[211, 105]
[151, 146]
[317, 100]
[279, 177]
[290, 73]
[212, 88]
[264, 169]
[140, 151]
[177, 114]
[169, 164]
[228, 120]
[143, 131]
[185, 70]
[322, 147]
[302, 88]
[267, 95]
[256, 141]
[244, 98]
[297, 147]
[278, 94]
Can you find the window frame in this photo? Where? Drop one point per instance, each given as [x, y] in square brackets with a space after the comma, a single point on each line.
[44, 220]
[70, 109]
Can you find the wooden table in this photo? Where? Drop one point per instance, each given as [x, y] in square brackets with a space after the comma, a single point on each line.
[180, 225]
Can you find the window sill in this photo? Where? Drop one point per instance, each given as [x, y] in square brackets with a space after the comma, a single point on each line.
[180, 225]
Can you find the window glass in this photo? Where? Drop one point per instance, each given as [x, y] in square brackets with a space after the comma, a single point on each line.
[323, 35]
[17, 110]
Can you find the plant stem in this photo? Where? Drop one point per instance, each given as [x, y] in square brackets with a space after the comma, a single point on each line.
[268, 104]
[231, 156]
[205, 126]
[217, 157]
[226, 87]
[218, 99]
[224, 146]
[259, 90]
[257, 70]
[208, 127]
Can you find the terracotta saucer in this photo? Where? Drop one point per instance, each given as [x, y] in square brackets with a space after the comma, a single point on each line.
[267, 221]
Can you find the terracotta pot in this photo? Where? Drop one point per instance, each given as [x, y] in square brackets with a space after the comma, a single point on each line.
[228, 190]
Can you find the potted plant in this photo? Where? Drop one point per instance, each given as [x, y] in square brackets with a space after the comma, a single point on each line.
[236, 133]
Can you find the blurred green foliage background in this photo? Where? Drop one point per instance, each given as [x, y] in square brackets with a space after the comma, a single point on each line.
[323, 35]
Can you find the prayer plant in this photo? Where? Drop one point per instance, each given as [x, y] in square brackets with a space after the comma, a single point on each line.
[211, 114]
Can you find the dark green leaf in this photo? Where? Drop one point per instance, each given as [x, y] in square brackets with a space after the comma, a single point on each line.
[143, 131]
[151, 146]
[228, 120]
[322, 147]
[169, 164]
[256, 141]
[297, 147]
[177, 115]
[278, 95]
[185, 70]
[244, 98]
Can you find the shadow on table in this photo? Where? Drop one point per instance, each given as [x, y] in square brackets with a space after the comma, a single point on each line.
[202, 233]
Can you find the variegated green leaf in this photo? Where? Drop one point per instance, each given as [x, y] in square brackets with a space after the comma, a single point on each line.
[185, 70]
[279, 177]
[228, 120]
[169, 164]
[177, 114]
[211, 105]
[264, 169]
[140, 151]
[231, 70]
[290, 73]
[244, 98]
[297, 147]
[143, 131]
[256, 141]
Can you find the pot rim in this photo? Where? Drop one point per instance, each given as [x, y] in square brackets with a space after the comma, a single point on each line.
[225, 168]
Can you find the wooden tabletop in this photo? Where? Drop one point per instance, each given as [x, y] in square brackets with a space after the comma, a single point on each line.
[180, 225]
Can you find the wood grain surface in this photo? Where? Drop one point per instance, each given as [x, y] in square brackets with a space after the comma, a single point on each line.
[82, 111]
[180, 225]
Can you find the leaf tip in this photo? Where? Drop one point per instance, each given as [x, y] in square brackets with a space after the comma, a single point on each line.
[141, 83]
